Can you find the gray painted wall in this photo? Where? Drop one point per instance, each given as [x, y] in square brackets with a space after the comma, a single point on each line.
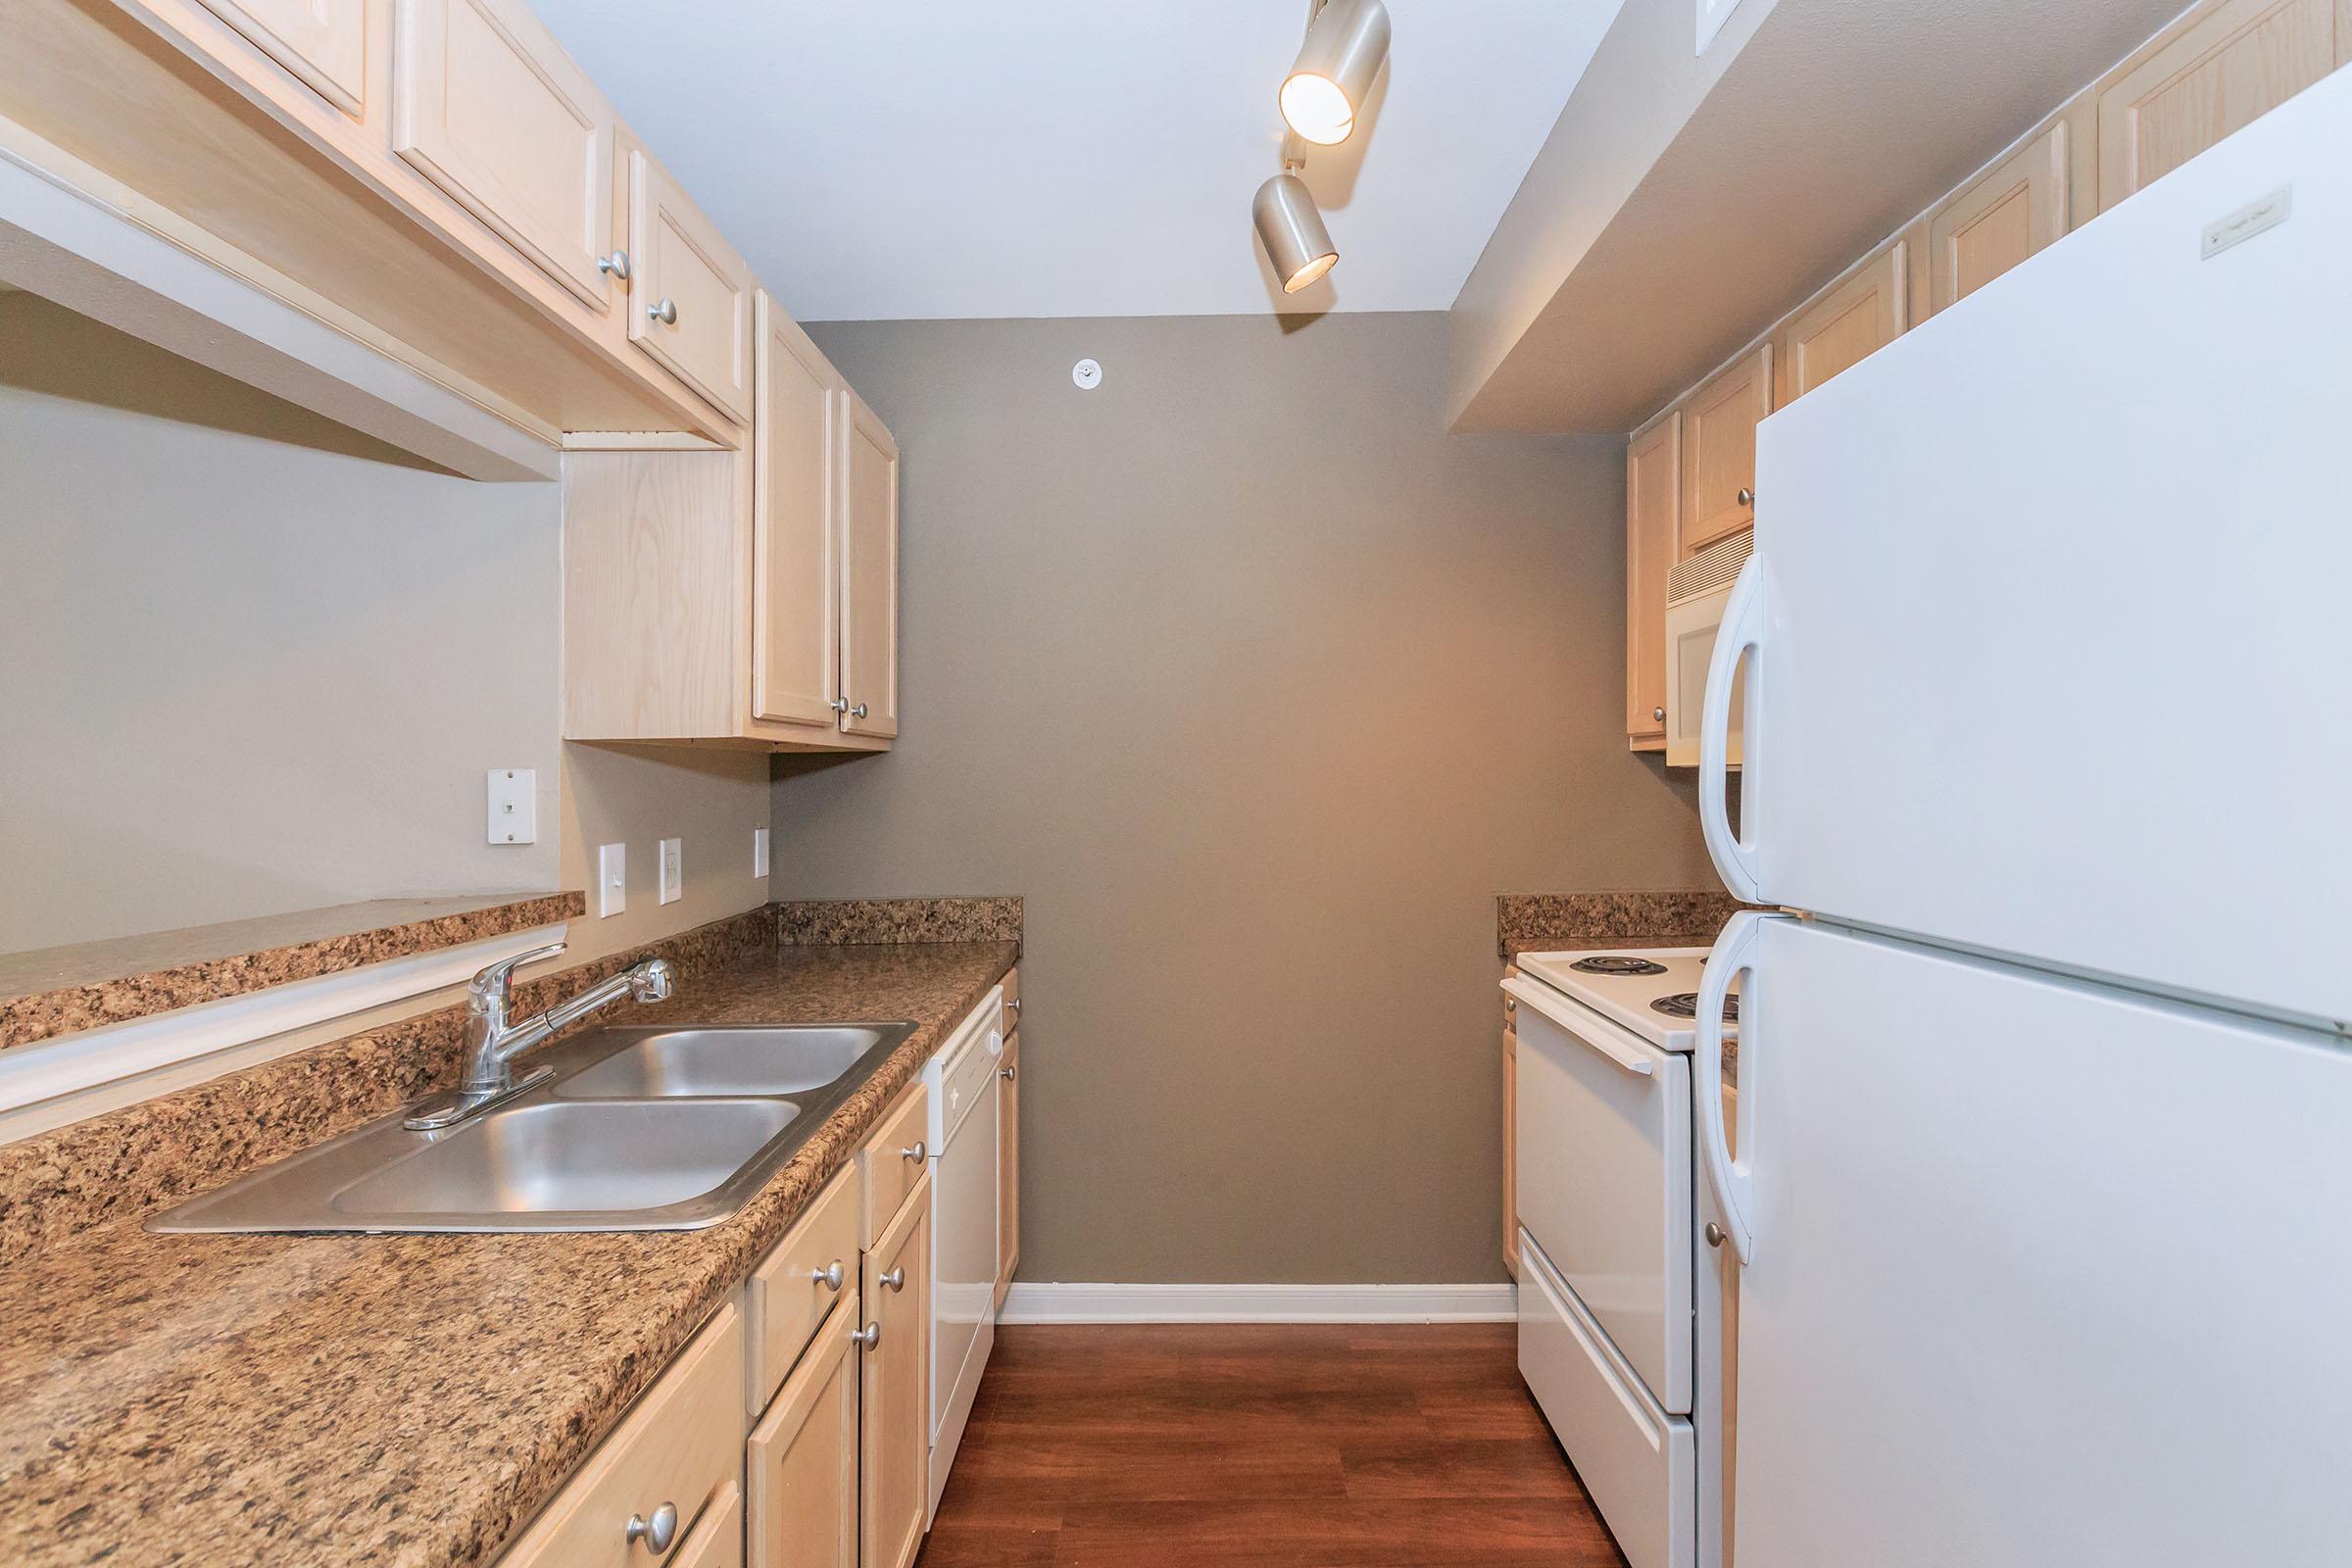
[1259, 687]
[253, 662]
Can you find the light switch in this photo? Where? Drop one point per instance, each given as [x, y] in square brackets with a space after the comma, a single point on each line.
[673, 871]
[759, 851]
[612, 879]
[513, 805]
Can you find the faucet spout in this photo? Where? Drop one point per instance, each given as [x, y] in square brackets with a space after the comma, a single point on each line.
[492, 1043]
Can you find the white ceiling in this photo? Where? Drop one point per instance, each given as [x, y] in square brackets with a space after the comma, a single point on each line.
[981, 157]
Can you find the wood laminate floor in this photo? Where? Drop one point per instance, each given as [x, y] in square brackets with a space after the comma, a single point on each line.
[1305, 1446]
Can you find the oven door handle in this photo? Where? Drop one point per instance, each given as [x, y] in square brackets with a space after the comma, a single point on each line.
[1528, 994]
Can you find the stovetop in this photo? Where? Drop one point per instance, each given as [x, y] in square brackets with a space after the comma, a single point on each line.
[1630, 986]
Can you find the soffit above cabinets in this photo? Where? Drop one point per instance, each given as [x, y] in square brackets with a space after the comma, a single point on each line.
[1634, 261]
[1058, 157]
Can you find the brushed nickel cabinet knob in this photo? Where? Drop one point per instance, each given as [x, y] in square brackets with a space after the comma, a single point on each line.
[666, 313]
[615, 265]
[1747, 497]
[868, 1336]
[658, 1532]
[831, 1278]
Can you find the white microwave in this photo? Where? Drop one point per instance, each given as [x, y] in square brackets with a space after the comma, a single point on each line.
[1696, 591]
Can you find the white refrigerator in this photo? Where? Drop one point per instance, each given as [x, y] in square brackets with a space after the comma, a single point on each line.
[2043, 1192]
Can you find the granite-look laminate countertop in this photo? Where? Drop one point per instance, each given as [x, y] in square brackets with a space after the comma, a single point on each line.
[398, 1400]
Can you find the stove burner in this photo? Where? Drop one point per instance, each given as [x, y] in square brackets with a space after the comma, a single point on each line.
[1685, 1004]
[1617, 963]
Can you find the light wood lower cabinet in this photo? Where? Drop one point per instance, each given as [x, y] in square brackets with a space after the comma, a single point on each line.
[717, 1540]
[1510, 1130]
[1997, 219]
[800, 1464]
[894, 1387]
[680, 1451]
[2218, 70]
[1009, 1165]
[1653, 488]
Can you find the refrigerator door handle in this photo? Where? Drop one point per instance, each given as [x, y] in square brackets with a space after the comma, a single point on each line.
[1734, 1180]
[1740, 632]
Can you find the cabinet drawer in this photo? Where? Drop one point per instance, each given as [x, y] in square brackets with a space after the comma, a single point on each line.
[795, 1287]
[690, 293]
[894, 1160]
[489, 106]
[681, 1445]
[717, 1540]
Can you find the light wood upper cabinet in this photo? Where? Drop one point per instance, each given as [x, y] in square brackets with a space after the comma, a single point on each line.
[489, 106]
[1719, 452]
[322, 42]
[1848, 323]
[795, 534]
[869, 596]
[1653, 478]
[801, 1463]
[2218, 70]
[1009, 1165]
[691, 294]
[1996, 221]
[896, 1431]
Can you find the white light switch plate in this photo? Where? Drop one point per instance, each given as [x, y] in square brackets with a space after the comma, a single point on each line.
[612, 879]
[673, 871]
[759, 851]
[513, 805]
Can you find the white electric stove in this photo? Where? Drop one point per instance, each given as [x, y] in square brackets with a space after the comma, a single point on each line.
[1620, 1308]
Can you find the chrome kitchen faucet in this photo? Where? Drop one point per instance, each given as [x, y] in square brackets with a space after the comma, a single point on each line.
[492, 1043]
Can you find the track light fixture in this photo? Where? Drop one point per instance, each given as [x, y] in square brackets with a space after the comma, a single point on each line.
[1291, 230]
[1347, 44]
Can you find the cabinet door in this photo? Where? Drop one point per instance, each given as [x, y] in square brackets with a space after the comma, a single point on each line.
[1653, 482]
[492, 110]
[801, 1463]
[896, 1435]
[869, 595]
[1009, 1165]
[1719, 452]
[717, 1540]
[323, 43]
[2226, 68]
[796, 574]
[1510, 1133]
[2005, 214]
[1849, 323]
[692, 294]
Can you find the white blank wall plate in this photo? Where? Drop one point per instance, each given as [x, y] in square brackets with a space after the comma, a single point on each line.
[612, 879]
[673, 871]
[513, 816]
[759, 851]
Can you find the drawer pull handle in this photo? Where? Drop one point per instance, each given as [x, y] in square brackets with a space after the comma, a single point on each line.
[868, 1336]
[918, 1151]
[896, 1279]
[658, 1532]
[830, 1278]
[1013, 1006]
[666, 313]
[1004, 1073]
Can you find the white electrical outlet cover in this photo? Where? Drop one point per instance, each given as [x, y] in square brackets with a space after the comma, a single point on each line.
[759, 851]
[612, 879]
[514, 817]
[673, 871]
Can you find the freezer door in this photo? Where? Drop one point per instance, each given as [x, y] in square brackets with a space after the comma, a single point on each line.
[2046, 619]
[2041, 1274]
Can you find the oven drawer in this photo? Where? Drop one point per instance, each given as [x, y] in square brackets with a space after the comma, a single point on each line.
[1602, 1136]
[1640, 1464]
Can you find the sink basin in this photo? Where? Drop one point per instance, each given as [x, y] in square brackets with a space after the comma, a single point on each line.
[634, 1130]
[617, 1156]
[666, 1063]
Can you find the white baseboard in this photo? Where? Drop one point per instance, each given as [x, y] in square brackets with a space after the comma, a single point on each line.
[1052, 1301]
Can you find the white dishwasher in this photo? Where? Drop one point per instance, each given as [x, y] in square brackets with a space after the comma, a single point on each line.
[963, 1137]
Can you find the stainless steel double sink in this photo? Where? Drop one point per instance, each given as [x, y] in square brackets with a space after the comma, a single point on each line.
[637, 1129]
